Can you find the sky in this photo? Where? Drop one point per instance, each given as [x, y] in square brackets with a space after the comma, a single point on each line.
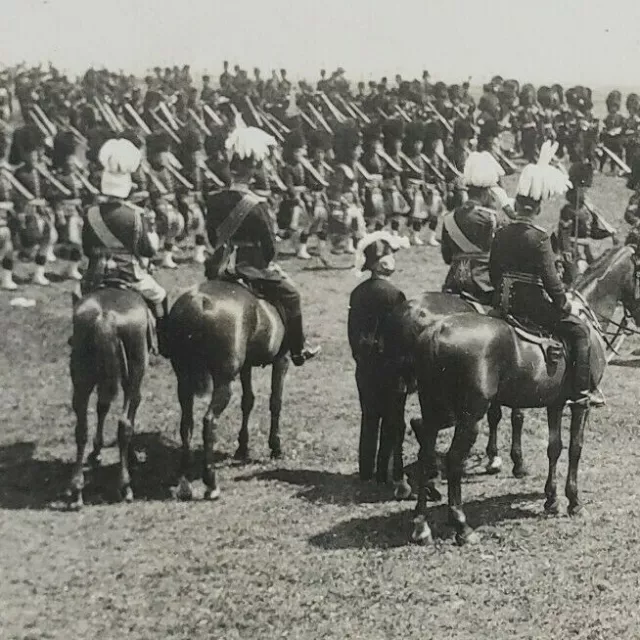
[541, 41]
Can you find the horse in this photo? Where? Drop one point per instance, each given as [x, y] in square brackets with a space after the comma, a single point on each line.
[109, 348]
[403, 328]
[216, 331]
[466, 363]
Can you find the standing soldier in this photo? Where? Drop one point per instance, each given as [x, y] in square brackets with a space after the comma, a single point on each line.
[162, 192]
[632, 127]
[7, 221]
[396, 205]
[35, 222]
[374, 205]
[612, 134]
[68, 208]
[528, 126]
[468, 231]
[413, 180]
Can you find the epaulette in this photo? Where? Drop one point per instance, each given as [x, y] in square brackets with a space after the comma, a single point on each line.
[531, 224]
[492, 212]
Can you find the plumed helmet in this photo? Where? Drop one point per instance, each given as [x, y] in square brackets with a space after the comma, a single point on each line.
[347, 137]
[540, 181]
[64, 146]
[214, 143]
[544, 97]
[372, 133]
[190, 140]
[414, 132]
[245, 142]
[318, 140]
[614, 99]
[374, 246]
[463, 130]
[119, 156]
[25, 140]
[481, 169]
[158, 143]
[581, 174]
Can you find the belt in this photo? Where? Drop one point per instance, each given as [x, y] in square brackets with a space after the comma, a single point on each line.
[526, 278]
[245, 244]
[471, 256]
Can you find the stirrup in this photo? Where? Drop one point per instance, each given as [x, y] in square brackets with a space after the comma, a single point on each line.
[307, 353]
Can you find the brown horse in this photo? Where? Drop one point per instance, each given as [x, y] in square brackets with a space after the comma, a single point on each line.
[217, 330]
[109, 348]
[403, 329]
[466, 363]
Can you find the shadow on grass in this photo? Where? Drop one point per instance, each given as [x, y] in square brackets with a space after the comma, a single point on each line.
[27, 482]
[393, 530]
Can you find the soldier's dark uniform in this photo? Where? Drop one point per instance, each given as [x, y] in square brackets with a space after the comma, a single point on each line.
[473, 226]
[523, 272]
[254, 246]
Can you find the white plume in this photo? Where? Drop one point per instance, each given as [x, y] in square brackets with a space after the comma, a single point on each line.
[482, 170]
[541, 181]
[119, 156]
[395, 242]
[245, 142]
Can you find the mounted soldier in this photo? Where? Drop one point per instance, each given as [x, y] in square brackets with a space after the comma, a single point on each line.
[468, 232]
[241, 233]
[523, 272]
[117, 234]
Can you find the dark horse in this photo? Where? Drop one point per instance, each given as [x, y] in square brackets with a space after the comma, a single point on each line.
[402, 330]
[466, 363]
[217, 330]
[109, 349]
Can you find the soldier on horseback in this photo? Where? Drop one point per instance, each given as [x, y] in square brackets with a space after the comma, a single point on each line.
[523, 272]
[118, 234]
[468, 231]
[241, 233]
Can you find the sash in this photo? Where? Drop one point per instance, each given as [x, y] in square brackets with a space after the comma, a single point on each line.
[104, 234]
[458, 237]
[233, 221]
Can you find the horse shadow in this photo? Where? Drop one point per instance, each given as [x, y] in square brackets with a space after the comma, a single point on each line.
[326, 487]
[30, 482]
[386, 531]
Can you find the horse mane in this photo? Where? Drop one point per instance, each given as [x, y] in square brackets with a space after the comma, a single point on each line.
[599, 267]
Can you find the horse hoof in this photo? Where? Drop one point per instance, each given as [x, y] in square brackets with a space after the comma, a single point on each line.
[551, 508]
[184, 491]
[402, 491]
[277, 454]
[76, 504]
[212, 494]
[494, 466]
[127, 494]
[520, 472]
[241, 455]
[468, 537]
[576, 511]
[421, 533]
[433, 494]
[94, 459]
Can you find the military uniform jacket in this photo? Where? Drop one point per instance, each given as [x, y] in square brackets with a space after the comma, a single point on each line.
[370, 304]
[467, 234]
[254, 240]
[523, 273]
[115, 235]
[632, 212]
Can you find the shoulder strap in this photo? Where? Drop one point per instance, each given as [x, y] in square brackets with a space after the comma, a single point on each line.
[104, 234]
[457, 236]
[233, 221]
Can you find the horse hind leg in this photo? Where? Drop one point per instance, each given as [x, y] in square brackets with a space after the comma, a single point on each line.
[494, 415]
[102, 409]
[247, 402]
[219, 401]
[185, 397]
[81, 394]
[554, 448]
[278, 374]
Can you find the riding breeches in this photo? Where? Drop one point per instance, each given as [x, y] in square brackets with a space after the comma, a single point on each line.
[149, 289]
[577, 335]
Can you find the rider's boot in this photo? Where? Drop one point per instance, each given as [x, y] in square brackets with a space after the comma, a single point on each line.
[161, 312]
[584, 393]
[300, 351]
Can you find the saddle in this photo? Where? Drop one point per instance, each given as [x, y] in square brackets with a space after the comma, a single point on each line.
[553, 349]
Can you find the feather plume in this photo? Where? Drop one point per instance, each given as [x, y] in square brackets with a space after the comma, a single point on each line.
[482, 170]
[541, 181]
[245, 142]
[394, 242]
[119, 156]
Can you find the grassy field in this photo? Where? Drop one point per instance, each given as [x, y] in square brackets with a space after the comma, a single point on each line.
[300, 548]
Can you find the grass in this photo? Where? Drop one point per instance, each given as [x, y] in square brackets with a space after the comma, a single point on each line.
[300, 548]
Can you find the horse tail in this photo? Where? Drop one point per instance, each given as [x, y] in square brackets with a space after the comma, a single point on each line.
[110, 360]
